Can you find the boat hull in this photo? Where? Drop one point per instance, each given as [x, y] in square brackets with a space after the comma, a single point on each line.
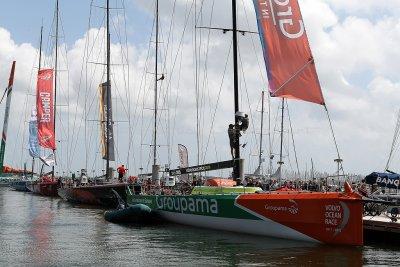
[96, 195]
[331, 218]
[138, 213]
[19, 186]
[44, 188]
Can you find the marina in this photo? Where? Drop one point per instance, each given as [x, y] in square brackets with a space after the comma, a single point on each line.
[172, 133]
[82, 236]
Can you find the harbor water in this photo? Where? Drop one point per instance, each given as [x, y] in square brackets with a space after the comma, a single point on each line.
[41, 231]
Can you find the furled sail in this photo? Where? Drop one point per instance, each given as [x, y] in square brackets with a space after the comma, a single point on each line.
[33, 136]
[288, 58]
[105, 92]
[45, 109]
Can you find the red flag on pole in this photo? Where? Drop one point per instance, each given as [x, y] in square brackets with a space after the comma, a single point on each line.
[288, 58]
[45, 109]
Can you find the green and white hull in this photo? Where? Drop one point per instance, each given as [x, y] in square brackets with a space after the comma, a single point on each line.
[236, 213]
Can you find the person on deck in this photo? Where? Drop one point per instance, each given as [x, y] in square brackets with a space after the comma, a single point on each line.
[121, 172]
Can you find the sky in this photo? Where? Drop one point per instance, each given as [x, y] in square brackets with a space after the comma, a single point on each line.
[354, 44]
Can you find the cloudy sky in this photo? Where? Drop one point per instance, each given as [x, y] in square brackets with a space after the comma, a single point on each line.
[354, 45]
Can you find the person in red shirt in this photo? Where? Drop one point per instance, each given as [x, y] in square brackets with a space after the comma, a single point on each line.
[121, 172]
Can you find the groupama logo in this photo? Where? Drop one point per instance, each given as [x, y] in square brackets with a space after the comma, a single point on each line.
[187, 204]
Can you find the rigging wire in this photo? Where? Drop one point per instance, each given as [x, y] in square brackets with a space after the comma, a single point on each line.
[292, 135]
[218, 98]
[394, 141]
[339, 159]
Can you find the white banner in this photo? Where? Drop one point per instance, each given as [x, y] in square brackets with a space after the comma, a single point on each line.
[183, 159]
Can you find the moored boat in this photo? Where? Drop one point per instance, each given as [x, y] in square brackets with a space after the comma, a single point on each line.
[98, 195]
[45, 186]
[331, 218]
[19, 185]
[5, 181]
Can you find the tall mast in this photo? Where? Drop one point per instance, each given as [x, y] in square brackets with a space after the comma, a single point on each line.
[40, 48]
[261, 132]
[156, 90]
[39, 68]
[156, 168]
[55, 79]
[236, 169]
[281, 148]
[6, 116]
[108, 97]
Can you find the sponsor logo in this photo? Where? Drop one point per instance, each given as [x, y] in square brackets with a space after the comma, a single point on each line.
[45, 100]
[187, 204]
[292, 208]
[45, 77]
[281, 13]
[336, 217]
[388, 181]
[46, 138]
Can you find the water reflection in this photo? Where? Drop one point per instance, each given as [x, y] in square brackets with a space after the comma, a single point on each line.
[214, 247]
[40, 247]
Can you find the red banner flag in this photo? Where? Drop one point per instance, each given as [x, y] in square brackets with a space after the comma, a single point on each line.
[288, 58]
[45, 109]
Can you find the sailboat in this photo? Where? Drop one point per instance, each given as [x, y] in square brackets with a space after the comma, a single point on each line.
[321, 217]
[6, 172]
[46, 97]
[100, 194]
[21, 184]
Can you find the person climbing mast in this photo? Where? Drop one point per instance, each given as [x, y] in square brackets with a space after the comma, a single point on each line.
[232, 139]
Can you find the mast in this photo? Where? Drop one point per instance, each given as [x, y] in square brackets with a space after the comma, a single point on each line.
[155, 168]
[312, 169]
[261, 132]
[280, 163]
[39, 68]
[40, 48]
[6, 116]
[108, 97]
[236, 168]
[55, 80]
[156, 90]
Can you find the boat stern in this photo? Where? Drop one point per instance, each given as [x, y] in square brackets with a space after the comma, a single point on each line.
[330, 218]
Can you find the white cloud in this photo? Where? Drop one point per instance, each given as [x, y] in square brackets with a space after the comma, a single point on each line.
[354, 47]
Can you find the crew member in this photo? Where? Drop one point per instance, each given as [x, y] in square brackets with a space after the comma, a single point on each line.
[121, 172]
[245, 123]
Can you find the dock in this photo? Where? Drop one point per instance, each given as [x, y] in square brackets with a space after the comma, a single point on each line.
[381, 228]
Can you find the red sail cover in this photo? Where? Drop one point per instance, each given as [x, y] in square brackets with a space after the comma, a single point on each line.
[290, 64]
[45, 109]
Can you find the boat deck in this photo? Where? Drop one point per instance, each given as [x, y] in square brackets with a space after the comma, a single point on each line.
[381, 223]
[381, 229]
